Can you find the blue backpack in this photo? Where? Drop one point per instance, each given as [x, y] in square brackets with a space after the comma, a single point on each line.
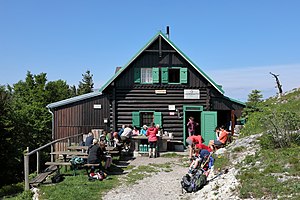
[77, 161]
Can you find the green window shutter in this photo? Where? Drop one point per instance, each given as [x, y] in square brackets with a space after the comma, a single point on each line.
[183, 75]
[137, 75]
[164, 75]
[136, 119]
[155, 75]
[157, 118]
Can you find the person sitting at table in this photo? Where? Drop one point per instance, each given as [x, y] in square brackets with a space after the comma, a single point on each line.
[104, 156]
[144, 130]
[103, 137]
[94, 155]
[135, 131]
[126, 136]
[109, 138]
[117, 141]
[121, 130]
[89, 139]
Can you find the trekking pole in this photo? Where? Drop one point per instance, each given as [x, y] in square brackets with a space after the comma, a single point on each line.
[222, 172]
[206, 160]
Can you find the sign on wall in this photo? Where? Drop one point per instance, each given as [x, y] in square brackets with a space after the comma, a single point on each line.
[171, 107]
[97, 106]
[191, 94]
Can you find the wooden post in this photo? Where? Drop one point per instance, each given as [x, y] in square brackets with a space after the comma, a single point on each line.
[52, 150]
[232, 123]
[38, 162]
[26, 169]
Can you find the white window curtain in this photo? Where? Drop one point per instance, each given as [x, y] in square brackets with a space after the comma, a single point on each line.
[146, 75]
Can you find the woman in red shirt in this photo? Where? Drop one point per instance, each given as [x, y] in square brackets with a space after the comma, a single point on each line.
[191, 141]
[152, 139]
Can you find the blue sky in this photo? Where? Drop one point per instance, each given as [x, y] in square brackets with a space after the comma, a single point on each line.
[237, 43]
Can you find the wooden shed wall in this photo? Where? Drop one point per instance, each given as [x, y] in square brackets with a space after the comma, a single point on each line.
[81, 117]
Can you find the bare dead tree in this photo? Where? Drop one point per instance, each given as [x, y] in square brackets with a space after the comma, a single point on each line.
[279, 86]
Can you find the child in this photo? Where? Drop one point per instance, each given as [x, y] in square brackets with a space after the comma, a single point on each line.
[144, 130]
[104, 156]
[192, 126]
[204, 160]
[135, 131]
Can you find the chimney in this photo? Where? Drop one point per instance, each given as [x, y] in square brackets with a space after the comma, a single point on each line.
[168, 32]
[117, 69]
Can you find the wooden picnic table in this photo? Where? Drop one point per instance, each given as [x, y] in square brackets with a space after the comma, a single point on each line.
[162, 141]
[65, 154]
[78, 148]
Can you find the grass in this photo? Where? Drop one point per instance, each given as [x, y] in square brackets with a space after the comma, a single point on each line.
[221, 161]
[260, 181]
[238, 149]
[78, 187]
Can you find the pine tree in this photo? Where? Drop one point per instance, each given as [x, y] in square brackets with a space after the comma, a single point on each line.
[252, 104]
[86, 85]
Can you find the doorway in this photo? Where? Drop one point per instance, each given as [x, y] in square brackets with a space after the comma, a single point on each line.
[197, 118]
[191, 111]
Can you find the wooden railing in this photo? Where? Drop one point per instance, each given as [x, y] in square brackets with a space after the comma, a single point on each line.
[37, 151]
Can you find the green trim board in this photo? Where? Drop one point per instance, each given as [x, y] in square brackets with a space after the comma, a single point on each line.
[176, 48]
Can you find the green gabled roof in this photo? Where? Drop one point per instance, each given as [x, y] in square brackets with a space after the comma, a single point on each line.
[234, 100]
[219, 88]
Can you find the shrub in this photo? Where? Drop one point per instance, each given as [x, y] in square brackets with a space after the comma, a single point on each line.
[283, 127]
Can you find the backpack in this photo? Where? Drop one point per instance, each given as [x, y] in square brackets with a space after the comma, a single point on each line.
[193, 183]
[77, 161]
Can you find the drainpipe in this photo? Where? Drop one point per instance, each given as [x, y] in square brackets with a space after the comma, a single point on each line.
[52, 137]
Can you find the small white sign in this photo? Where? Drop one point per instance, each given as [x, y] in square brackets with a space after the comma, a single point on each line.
[160, 91]
[171, 107]
[191, 94]
[97, 106]
[171, 113]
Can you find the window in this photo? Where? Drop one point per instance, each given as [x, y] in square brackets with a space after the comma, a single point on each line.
[146, 118]
[174, 75]
[146, 75]
[150, 75]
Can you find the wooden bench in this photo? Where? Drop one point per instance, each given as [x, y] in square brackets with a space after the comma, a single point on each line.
[58, 164]
[42, 176]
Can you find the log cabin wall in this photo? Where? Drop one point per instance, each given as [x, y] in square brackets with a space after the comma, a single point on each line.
[81, 117]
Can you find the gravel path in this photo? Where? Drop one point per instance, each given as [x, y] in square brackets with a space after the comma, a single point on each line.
[162, 185]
